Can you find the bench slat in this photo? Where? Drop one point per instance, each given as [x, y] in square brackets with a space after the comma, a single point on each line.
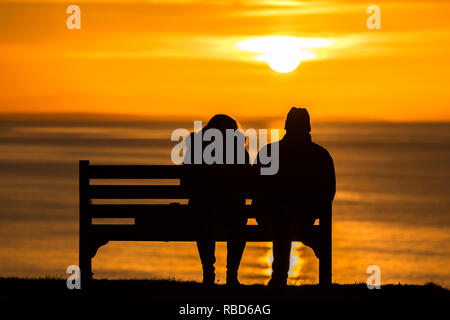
[149, 211]
[135, 171]
[136, 192]
[164, 171]
[134, 210]
[147, 192]
[133, 233]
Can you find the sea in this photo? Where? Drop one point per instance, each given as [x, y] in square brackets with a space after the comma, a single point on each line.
[391, 210]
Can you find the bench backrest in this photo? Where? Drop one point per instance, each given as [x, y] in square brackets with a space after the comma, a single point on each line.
[164, 188]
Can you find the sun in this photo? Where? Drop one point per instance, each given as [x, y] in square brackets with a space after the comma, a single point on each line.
[282, 62]
[282, 53]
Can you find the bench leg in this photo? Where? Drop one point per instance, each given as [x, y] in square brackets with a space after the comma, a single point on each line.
[325, 273]
[85, 267]
[84, 257]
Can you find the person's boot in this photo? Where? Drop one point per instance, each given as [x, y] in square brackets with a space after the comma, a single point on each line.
[209, 278]
[232, 279]
[277, 281]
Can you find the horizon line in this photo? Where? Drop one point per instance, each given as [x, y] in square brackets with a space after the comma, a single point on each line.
[143, 117]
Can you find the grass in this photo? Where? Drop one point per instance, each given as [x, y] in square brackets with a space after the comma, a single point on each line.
[172, 290]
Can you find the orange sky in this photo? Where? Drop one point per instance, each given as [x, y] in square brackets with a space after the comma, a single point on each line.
[180, 58]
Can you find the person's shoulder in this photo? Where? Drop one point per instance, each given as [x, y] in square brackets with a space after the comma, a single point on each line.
[267, 150]
[271, 145]
[320, 150]
[190, 136]
[317, 147]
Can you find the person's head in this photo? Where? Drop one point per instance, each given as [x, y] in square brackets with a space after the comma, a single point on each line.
[297, 122]
[221, 122]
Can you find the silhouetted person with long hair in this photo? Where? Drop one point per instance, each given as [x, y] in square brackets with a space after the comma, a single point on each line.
[214, 198]
[303, 187]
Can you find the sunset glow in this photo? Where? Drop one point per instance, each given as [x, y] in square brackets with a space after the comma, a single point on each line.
[190, 58]
[356, 95]
[283, 54]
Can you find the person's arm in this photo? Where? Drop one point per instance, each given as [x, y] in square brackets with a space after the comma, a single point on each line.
[322, 185]
[330, 178]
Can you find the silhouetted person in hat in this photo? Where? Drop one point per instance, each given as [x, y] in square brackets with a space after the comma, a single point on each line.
[214, 197]
[303, 186]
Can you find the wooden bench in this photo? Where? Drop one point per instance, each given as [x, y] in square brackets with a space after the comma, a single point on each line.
[157, 222]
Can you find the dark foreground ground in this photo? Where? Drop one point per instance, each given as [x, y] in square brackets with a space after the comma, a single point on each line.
[162, 290]
[165, 299]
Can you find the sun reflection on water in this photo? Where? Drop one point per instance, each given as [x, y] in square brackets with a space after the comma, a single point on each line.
[296, 261]
[296, 265]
